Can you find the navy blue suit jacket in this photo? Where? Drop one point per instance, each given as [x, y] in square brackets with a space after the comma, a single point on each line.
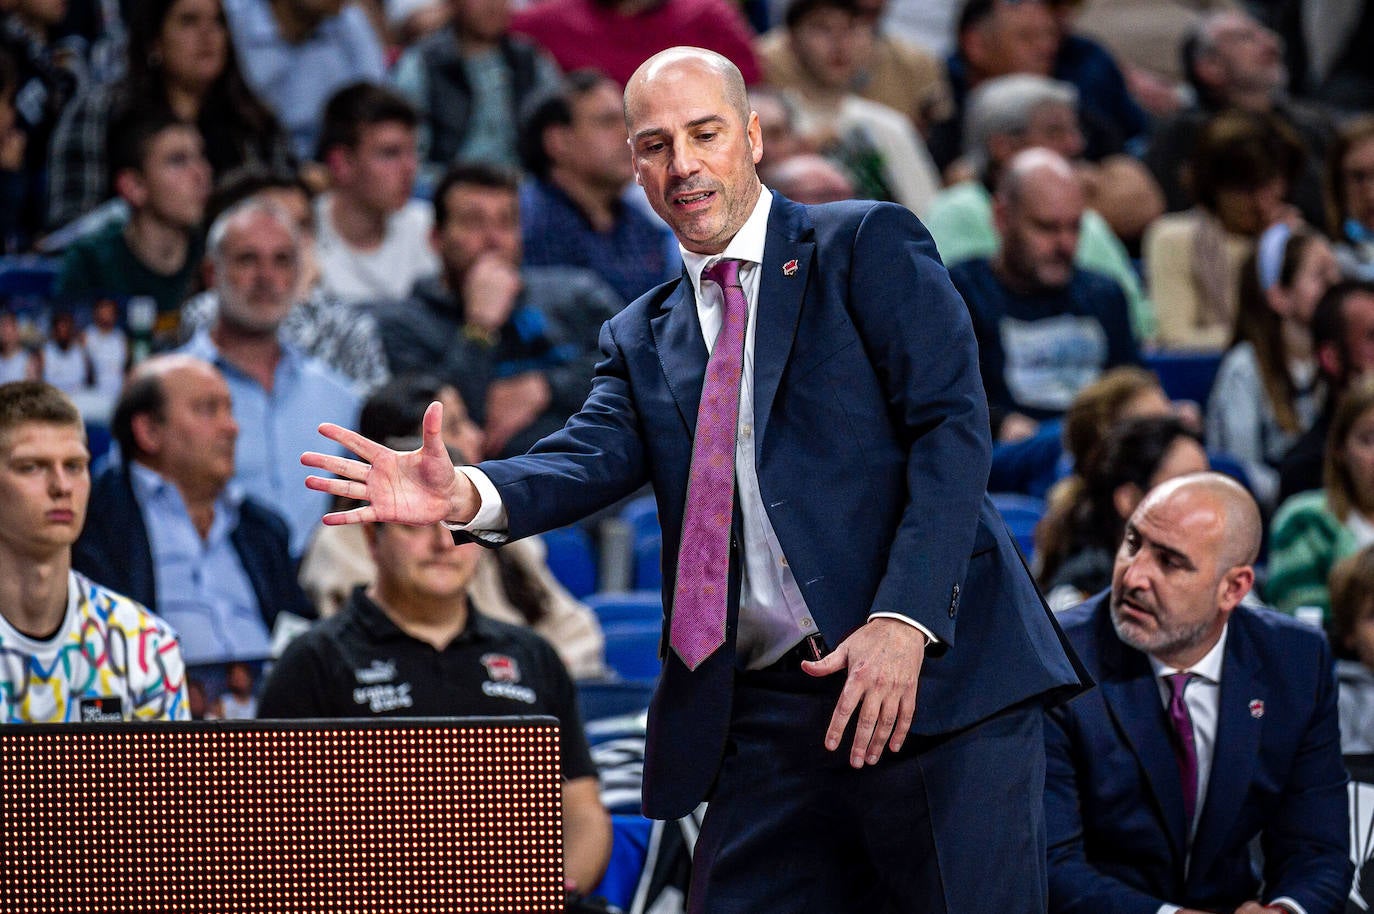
[1114, 801]
[872, 449]
[114, 550]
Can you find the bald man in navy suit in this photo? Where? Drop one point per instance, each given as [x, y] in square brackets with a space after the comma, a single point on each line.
[1213, 725]
[881, 657]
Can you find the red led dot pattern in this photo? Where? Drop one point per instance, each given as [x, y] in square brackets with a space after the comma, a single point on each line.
[253, 817]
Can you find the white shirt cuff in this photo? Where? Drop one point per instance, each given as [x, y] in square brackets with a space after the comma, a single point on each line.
[490, 522]
[1289, 903]
[930, 638]
[1168, 909]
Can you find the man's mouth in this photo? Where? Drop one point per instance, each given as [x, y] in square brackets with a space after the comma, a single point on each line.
[1135, 611]
[694, 198]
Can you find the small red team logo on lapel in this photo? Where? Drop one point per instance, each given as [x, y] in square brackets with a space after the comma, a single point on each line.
[789, 268]
[1256, 708]
[501, 668]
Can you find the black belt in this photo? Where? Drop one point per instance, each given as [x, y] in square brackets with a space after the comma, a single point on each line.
[812, 647]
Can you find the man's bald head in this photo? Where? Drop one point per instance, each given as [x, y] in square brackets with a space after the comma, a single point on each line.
[1184, 566]
[1039, 168]
[1038, 212]
[665, 64]
[1232, 503]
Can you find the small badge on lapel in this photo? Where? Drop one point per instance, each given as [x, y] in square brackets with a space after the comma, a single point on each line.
[1256, 708]
[789, 268]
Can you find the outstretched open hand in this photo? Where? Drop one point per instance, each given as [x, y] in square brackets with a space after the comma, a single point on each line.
[419, 487]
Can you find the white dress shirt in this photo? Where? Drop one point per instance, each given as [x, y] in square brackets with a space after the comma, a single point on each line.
[773, 614]
[1203, 698]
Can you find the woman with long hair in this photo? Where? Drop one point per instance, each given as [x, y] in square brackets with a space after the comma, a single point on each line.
[1267, 391]
[181, 61]
[1076, 542]
[1314, 530]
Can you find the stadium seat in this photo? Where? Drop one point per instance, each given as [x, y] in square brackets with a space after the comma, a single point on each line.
[572, 559]
[1185, 375]
[634, 606]
[646, 542]
[1021, 513]
[28, 277]
[600, 699]
[632, 649]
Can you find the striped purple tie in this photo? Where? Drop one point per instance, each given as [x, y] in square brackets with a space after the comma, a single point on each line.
[1185, 745]
[703, 559]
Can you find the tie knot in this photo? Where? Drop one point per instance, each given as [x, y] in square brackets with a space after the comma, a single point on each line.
[724, 273]
[1178, 682]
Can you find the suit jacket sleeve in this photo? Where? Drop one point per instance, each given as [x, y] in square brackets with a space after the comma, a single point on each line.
[1307, 848]
[598, 456]
[1076, 886]
[920, 342]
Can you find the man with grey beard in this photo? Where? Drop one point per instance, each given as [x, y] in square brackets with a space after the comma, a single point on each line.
[279, 393]
[1214, 724]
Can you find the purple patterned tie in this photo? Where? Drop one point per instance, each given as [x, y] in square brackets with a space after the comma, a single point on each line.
[703, 559]
[1185, 747]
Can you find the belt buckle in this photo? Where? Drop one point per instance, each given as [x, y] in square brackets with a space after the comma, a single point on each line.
[812, 647]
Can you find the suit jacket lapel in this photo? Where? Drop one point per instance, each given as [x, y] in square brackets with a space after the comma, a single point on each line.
[1236, 747]
[682, 350]
[1132, 696]
[782, 285]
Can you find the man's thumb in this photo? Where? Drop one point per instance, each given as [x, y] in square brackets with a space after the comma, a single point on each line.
[830, 663]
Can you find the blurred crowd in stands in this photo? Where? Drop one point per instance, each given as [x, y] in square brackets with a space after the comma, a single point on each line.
[226, 221]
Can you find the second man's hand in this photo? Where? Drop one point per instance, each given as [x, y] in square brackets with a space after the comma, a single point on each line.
[883, 662]
[419, 487]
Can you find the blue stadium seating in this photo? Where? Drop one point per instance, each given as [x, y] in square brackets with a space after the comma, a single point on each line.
[599, 699]
[646, 542]
[632, 649]
[572, 559]
[1022, 513]
[633, 606]
[1185, 375]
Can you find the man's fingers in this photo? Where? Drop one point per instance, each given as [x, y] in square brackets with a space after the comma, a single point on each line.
[339, 466]
[844, 709]
[365, 448]
[872, 731]
[363, 515]
[886, 720]
[906, 713]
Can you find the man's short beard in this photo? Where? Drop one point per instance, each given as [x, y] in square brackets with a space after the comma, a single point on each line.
[1164, 642]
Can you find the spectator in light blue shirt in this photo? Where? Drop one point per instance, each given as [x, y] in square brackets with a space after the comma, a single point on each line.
[280, 395]
[296, 53]
[170, 526]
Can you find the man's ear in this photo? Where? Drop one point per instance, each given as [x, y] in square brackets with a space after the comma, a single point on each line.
[555, 142]
[130, 186]
[338, 159]
[1001, 216]
[1125, 498]
[1329, 360]
[1209, 70]
[147, 431]
[1235, 584]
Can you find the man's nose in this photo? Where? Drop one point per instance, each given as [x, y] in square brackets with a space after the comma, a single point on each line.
[685, 162]
[1135, 576]
[61, 481]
